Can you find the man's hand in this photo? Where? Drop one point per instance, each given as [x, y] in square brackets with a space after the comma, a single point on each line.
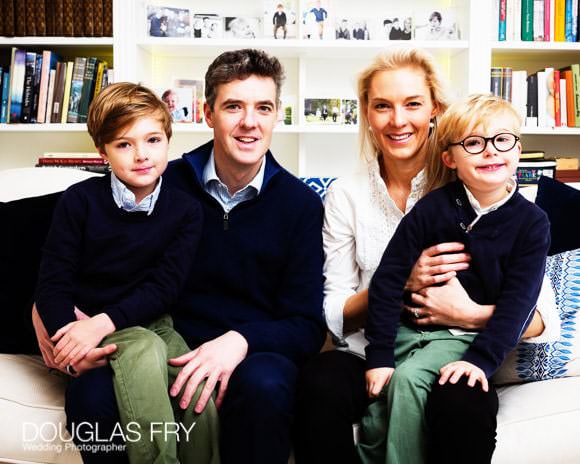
[377, 379]
[452, 372]
[44, 343]
[214, 361]
[76, 339]
[436, 265]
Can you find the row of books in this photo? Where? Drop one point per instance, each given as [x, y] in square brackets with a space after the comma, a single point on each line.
[534, 164]
[61, 18]
[536, 20]
[547, 98]
[84, 161]
[42, 88]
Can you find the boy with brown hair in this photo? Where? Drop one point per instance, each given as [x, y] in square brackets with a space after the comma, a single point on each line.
[116, 258]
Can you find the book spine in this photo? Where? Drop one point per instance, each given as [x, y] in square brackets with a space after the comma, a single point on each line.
[547, 18]
[557, 106]
[27, 96]
[495, 83]
[50, 161]
[108, 18]
[19, 18]
[88, 19]
[532, 101]
[58, 91]
[30, 19]
[51, 82]
[568, 21]
[528, 20]
[563, 102]
[509, 21]
[4, 94]
[66, 96]
[69, 155]
[59, 18]
[517, 18]
[76, 89]
[502, 20]
[576, 80]
[44, 76]
[78, 18]
[50, 12]
[98, 18]
[570, 116]
[88, 88]
[40, 17]
[506, 84]
[2, 8]
[559, 21]
[9, 29]
[68, 18]
[35, 93]
[99, 79]
[575, 35]
[17, 72]
[538, 21]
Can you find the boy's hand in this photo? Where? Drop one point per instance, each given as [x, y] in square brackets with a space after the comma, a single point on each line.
[377, 379]
[76, 339]
[455, 370]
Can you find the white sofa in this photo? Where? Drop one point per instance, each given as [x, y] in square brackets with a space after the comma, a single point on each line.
[538, 422]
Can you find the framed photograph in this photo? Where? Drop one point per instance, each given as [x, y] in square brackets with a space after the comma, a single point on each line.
[322, 110]
[398, 27]
[349, 111]
[197, 97]
[280, 19]
[317, 20]
[163, 21]
[207, 26]
[239, 27]
[436, 25]
[286, 110]
[178, 101]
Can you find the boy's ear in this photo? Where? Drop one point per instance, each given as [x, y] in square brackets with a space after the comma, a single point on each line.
[102, 154]
[208, 114]
[448, 159]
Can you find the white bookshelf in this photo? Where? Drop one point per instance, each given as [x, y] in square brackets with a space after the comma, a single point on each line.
[314, 69]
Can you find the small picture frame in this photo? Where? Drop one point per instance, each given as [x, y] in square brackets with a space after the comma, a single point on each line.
[398, 27]
[178, 101]
[207, 26]
[197, 97]
[240, 27]
[322, 110]
[437, 25]
[349, 111]
[279, 19]
[164, 21]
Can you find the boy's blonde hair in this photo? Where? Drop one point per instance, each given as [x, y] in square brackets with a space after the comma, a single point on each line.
[120, 105]
[391, 60]
[465, 114]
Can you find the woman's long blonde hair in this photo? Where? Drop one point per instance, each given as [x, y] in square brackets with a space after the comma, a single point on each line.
[398, 58]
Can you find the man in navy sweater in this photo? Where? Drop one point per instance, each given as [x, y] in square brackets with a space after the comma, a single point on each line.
[252, 308]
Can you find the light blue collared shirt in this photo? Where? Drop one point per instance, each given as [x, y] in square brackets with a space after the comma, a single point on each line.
[125, 199]
[217, 189]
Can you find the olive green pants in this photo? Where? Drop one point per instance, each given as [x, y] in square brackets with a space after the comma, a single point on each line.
[141, 379]
[393, 429]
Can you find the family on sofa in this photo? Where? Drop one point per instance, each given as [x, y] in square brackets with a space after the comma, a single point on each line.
[251, 305]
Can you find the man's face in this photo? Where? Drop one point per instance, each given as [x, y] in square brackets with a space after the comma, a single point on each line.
[243, 118]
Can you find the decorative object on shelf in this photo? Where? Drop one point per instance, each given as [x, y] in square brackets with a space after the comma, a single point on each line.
[197, 97]
[322, 110]
[316, 20]
[207, 26]
[164, 21]
[280, 19]
[240, 27]
[436, 25]
[179, 103]
[398, 26]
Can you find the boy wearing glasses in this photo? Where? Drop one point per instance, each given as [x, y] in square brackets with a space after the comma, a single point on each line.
[507, 238]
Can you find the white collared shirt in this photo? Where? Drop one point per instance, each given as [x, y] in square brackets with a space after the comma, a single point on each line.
[213, 185]
[125, 199]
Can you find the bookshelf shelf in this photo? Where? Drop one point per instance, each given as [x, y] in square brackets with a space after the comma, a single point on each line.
[551, 131]
[33, 128]
[48, 42]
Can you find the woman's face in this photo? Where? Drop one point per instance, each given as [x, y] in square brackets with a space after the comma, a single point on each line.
[399, 112]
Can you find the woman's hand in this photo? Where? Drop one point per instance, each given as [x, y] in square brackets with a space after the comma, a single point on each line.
[436, 265]
[376, 379]
[44, 343]
[452, 372]
[449, 305]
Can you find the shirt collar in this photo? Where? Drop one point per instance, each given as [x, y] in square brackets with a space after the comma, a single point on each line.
[125, 199]
[510, 187]
[210, 174]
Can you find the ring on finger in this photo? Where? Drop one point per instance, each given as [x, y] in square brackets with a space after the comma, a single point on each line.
[416, 313]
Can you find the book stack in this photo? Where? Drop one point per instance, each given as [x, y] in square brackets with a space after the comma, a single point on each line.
[536, 20]
[568, 169]
[60, 18]
[43, 88]
[549, 97]
[84, 161]
[532, 166]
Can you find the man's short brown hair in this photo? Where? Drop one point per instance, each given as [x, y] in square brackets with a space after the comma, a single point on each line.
[241, 64]
[120, 105]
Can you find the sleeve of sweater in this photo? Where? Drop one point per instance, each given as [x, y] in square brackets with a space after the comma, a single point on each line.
[298, 331]
[166, 278]
[60, 261]
[387, 287]
[517, 301]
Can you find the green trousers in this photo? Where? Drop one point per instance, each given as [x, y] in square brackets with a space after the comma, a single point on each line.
[141, 378]
[393, 429]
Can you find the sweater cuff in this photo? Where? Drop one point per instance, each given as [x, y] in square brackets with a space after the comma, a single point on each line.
[117, 316]
[483, 363]
[379, 357]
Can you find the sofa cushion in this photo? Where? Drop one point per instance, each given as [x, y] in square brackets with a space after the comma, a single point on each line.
[540, 361]
[562, 205]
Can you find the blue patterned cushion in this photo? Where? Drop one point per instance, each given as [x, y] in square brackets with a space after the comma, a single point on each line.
[319, 184]
[541, 361]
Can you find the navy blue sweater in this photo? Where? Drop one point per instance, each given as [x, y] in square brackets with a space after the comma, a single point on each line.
[259, 269]
[508, 247]
[101, 258]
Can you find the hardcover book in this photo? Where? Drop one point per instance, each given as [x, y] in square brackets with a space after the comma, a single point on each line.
[30, 16]
[17, 72]
[88, 20]
[28, 94]
[76, 89]
[68, 18]
[98, 18]
[20, 18]
[40, 17]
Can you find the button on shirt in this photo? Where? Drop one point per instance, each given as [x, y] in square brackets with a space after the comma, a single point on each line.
[217, 189]
[125, 199]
